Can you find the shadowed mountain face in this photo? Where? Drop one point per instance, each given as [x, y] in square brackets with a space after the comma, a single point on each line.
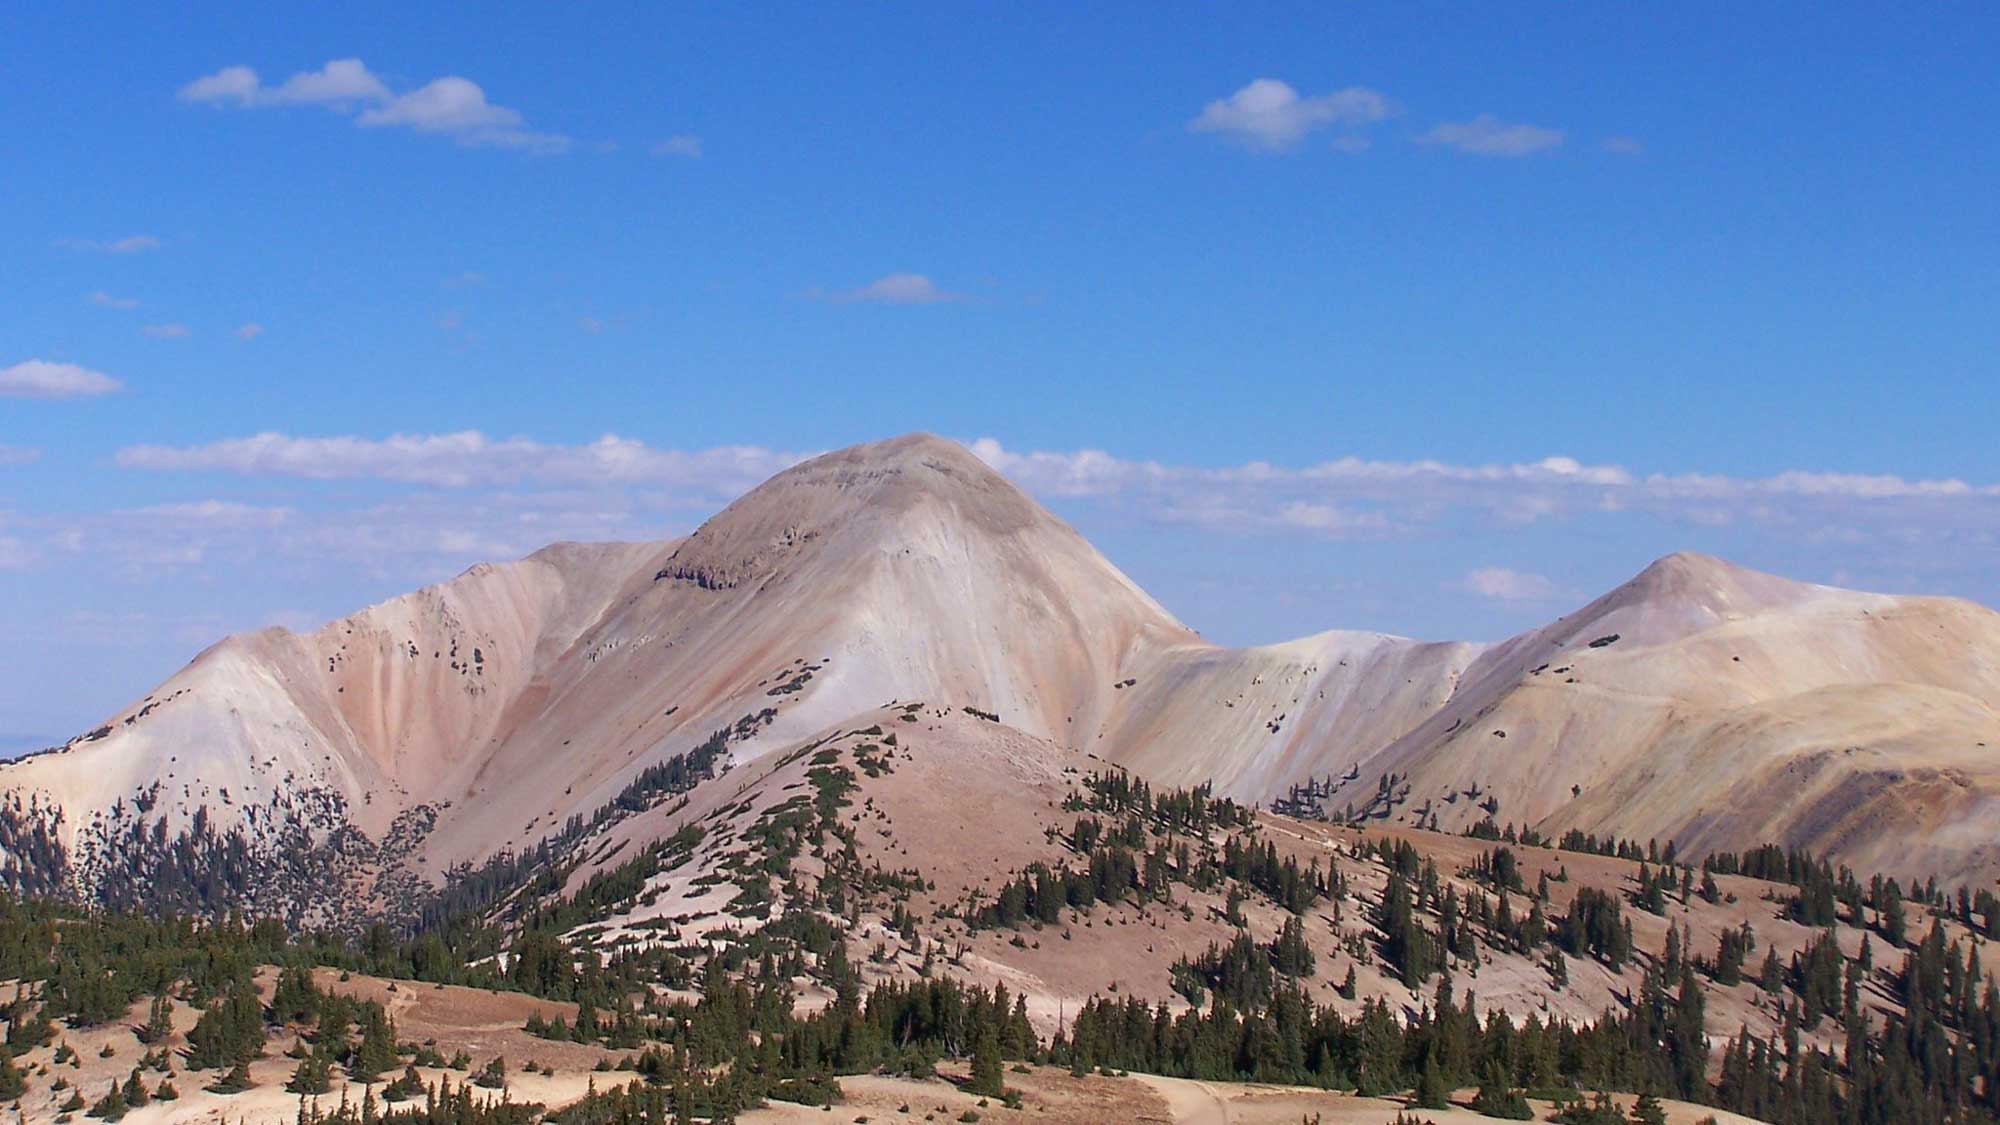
[528, 703]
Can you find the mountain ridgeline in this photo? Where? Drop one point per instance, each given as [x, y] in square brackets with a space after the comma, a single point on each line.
[533, 717]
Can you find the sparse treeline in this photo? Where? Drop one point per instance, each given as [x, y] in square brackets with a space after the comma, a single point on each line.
[1657, 1046]
[1135, 845]
[1823, 893]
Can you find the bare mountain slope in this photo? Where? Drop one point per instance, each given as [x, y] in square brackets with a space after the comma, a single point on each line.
[524, 703]
[1723, 708]
[483, 714]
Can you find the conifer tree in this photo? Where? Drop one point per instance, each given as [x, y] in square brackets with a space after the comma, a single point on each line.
[986, 1075]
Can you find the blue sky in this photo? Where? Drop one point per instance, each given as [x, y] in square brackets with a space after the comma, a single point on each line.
[487, 278]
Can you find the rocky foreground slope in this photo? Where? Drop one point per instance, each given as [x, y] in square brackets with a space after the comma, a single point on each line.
[533, 709]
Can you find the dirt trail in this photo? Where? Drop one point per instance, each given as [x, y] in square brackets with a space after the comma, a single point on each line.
[1190, 1102]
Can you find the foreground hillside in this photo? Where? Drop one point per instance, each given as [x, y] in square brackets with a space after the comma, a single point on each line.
[818, 929]
[518, 709]
[477, 1025]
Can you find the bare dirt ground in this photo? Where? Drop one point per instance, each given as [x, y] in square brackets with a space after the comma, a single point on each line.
[481, 1023]
[1051, 1095]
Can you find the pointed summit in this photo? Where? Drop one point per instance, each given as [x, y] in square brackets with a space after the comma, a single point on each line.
[915, 489]
[900, 467]
[1684, 592]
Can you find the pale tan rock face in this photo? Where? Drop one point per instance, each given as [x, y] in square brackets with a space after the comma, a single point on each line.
[481, 714]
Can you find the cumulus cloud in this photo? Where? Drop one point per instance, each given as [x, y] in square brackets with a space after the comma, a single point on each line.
[221, 513]
[231, 84]
[895, 289]
[340, 83]
[106, 301]
[451, 106]
[466, 458]
[404, 540]
[1502, 584]
[684, 145]
[167, 331]
[1487, 135]
[1269, 114]
[470, 496]
[36, 378]
[248, 331]
[1332, 519]
[130, 244]
[1357, 497]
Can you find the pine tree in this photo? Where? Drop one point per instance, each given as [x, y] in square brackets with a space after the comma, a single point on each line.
[1771, 978]
[159, 1021]
[1496, 1099]
[310, 1077]
[986, 1076]
[296, 1000]
[234, 1082]
[111, 1107]
[377, 1051]
[1431, 1092]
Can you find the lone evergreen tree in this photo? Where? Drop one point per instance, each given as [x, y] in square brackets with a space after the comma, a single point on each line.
[1431, 1092]
[986, 1077]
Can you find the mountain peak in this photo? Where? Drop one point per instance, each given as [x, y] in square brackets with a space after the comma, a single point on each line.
[862, 495]
[1692, 576]
[916, 461]
[1681, 593]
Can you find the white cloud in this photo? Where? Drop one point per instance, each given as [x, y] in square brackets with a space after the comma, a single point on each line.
[167, 331]
[1352, 496]
[236, 84]
[896, 289]
[685, 145]
[1502, 584]
[14, 554]
[464, 459]
[1345, 495]
[458, 107]
[130, 244]
[19, 454]
[1332, 520]
[1487, 135]
[249, 330]
[1270, 114]
[37, 378]
[340, 83]
[219, 513]
[451, 106]
[1624, 146]
[476, 498]
[107, 301]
